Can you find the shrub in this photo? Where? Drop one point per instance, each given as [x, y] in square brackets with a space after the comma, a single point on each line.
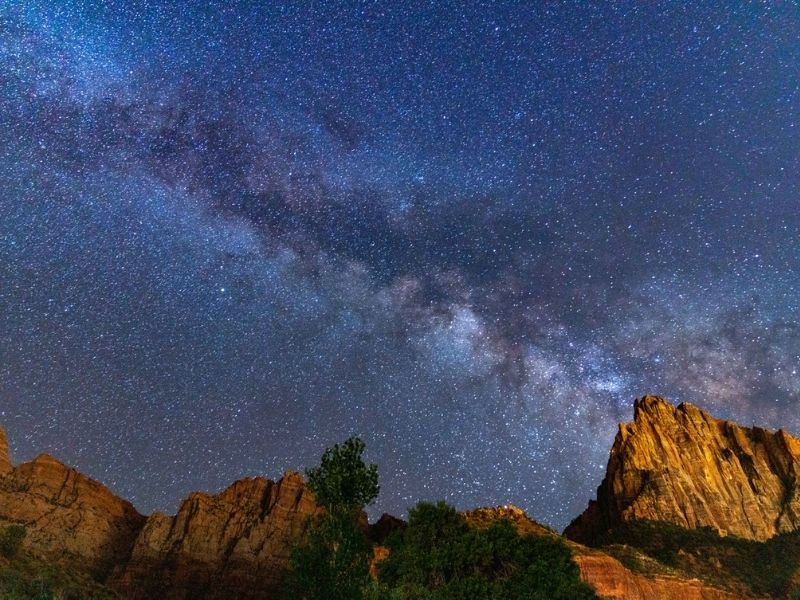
[766, 568]
[10, 540]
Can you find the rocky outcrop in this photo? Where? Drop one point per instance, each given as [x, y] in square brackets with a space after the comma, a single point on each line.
[611, 579]
[384, 527]
[235, 544]
[69, 519]
[5, 454]
[483, 517]
[669, 464]
[681, 465]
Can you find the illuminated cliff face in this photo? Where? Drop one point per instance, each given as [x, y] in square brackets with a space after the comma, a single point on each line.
[5, 454]
[70, 519]
[235, 543]
[681, 465]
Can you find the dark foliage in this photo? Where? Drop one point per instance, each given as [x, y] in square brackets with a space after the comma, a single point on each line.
[343, 482]
[438, 556]
[765, 568]
[332, 562]
[11, 540]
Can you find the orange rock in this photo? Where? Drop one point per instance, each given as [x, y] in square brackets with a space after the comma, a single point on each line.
[681, 465]
[483, 517]
[610, 579]
[5, 455]
[69, 518]
[379, 553]
[235, 544]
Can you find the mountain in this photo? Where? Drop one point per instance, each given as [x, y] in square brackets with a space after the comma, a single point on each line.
[680, 465]
[673, 466]
[70, 519]
[235, 544]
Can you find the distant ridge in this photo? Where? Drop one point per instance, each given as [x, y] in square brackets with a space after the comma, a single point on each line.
[234, 544]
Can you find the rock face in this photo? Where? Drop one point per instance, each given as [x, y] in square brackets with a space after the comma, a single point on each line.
[681, 465]
[235, 544]
[610, 579]
[5, 455]
[70, 519]
[483, 517]
[674, 464]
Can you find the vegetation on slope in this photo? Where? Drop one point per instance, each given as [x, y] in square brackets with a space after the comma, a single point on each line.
[763, 568]
[438, 556]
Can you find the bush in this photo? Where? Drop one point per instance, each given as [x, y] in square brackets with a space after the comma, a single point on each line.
[438, 556]
[10, 540]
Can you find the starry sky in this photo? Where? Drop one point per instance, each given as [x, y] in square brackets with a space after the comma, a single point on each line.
[234, 233]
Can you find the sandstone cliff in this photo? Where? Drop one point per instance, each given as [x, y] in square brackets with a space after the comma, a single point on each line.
[235, 544]
[611, 579]
[681, 465]
[70, 519]
[5, 455]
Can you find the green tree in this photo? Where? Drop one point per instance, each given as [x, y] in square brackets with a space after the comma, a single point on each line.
[343, 482]
[440, 557]
[332, 562]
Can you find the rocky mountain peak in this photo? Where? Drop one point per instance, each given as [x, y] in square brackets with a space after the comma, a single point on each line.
[238, 540]
[680, 464]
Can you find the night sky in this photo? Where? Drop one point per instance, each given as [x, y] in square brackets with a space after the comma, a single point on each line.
[236, 233]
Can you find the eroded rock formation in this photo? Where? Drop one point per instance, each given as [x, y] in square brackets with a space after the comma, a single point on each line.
[675, 464]
[70, 518]
[235, 544]
[681, 465]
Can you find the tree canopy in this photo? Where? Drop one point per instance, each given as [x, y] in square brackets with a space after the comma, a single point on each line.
[440, 557]
[332, 562]
[343, 482]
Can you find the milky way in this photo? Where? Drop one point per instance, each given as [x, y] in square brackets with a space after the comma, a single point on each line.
[234, 234]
